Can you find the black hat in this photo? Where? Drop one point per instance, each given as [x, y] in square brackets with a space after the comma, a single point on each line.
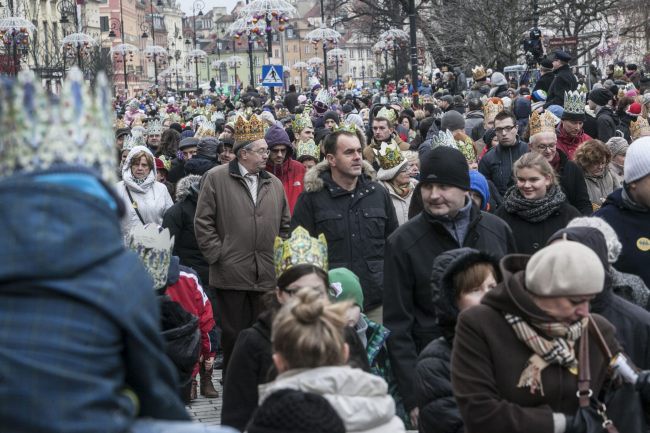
[293, 411]
[601, 96]
[447, 166]
[562, 56]
[332, 115]
[188, 142]
[122, 132]
[546, 63]
[208, 147]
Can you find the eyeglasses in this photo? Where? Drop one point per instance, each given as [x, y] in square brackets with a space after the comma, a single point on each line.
[542, 148]
[261, 152]
[504, 130]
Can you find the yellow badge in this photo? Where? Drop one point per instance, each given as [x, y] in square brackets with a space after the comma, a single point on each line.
[643, 244]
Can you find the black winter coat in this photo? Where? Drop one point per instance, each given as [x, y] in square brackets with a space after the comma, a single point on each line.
[572, 181]
[179, 219]
[606, 124]
[563, 81]
[590, 127]
[408, 307]
[544, 82]
[531, 236]
[496, 164]
[355, 223]
[251, 364]
[438, 409]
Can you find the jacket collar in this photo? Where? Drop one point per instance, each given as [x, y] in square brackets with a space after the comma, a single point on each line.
[315, 178]
[233, 169]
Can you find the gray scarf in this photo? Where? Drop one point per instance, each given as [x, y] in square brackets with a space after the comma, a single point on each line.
[533, 211]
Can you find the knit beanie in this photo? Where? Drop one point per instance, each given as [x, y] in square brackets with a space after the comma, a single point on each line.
[208, 148]
[445, 165]
[587, 236]
[331, 115]
[187, 133]
[617, 145]
[565, 268]
[498, 79]
[634, 109]
[345, 285]
[600, 96]
[614, 246]
[637, 160]
[276, 136]
[293, 411]
[452, 120]
[478, 183]
[176, 127]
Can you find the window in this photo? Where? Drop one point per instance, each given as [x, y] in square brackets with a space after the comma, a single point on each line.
[351, 54]
[295, 48]
[307, 49]
[256, 61]
[103, 24]
[290, 32]
[276, 52]
[354, 72]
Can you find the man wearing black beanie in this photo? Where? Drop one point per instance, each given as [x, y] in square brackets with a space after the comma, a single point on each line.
[449, 220]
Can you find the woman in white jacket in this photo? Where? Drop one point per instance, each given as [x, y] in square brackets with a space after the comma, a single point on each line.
[145, 199]
[309, 353]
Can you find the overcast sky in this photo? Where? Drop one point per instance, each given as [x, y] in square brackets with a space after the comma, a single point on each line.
[186, 5]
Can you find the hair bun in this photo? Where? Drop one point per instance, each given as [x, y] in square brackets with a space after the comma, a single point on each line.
[309, 307]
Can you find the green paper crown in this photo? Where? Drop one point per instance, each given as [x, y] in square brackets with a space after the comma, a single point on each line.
[388, 156]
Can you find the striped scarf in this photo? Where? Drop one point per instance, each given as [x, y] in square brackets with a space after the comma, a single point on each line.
[560, 350]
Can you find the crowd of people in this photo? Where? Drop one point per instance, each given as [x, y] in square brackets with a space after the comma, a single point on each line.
[474, 259]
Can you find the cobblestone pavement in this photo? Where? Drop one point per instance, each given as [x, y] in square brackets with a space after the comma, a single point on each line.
[208, 410]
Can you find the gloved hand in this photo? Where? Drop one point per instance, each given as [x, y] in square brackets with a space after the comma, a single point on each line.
[643, 385]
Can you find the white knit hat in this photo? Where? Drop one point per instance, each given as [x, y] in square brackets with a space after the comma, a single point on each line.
[637, 160]
[498, 79]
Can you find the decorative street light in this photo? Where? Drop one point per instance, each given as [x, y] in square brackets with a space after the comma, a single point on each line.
[126, 52]
[338, 56]
[274, 13]
[394, 39]
[154, 53]
[195, 56]
[233, 62]
[198, 5]
[79, 45]
[14, 36]
[252, 31]
[326, 36]
[301, 66]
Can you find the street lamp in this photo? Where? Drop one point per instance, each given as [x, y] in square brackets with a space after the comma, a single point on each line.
[14, 35]
[153, 52]
[122, 49]
[252, 31]
[393, 39]
[363, 76]
[326, 36]
[197, 56]
[300, 66]
[198, 5]
[272, 12]
[337, 55]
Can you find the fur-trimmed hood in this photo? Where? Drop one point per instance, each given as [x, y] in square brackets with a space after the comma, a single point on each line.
[314, 181]
[184, 186]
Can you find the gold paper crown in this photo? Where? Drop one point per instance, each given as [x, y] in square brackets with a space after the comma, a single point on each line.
[544, 122]
[387, 113]
[639, 128]
[38, 132]
[492, 107]
[618, 71]
[388, 156]
[574, 102]
[299, 249]
[347, 127]
[206, 129]
[478, 73]
[308, 148]
[248, 130]
[301, 122]
[466, 147]
[407, 102]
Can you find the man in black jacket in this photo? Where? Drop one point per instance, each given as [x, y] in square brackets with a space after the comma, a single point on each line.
[545, 81]
[600, 101]
[450, 220]
[564, 80]
[291, 99]
[496, 164]
[342, 200]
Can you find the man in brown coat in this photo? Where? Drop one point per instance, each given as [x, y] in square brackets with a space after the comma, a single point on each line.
[240, 210]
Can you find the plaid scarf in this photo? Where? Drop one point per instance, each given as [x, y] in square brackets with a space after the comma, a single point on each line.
[560, 350]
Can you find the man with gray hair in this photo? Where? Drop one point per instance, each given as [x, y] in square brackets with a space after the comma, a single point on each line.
[240, 210]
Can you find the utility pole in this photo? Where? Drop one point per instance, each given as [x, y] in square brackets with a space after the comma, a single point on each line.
[414, 50]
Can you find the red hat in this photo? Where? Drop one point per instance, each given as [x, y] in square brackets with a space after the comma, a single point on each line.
[160, 165]
[634, 109]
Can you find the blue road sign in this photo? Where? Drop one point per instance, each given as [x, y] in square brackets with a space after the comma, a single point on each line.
[272, 76]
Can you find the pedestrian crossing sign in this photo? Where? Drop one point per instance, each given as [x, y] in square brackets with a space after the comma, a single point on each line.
[272, 75]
